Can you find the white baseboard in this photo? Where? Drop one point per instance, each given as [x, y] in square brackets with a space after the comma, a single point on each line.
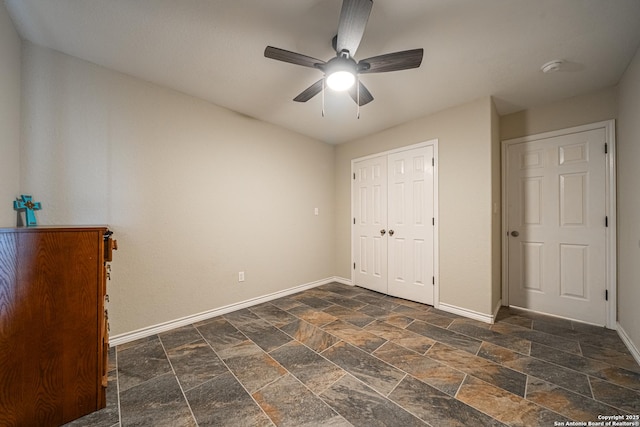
[194, 318]
[627, 341]
[482, 317]
[342, 280]
[496, 310]
[553, 315]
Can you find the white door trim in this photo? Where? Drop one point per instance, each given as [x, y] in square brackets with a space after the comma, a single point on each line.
[436, 261]
[610, 210]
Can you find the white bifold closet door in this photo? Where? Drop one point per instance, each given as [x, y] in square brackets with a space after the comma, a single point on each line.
[393, 224]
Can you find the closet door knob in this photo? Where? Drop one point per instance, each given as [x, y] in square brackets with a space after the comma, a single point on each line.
[515, 233]
[382, 232]
[391, 232]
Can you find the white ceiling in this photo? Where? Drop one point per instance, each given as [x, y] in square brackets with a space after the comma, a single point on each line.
[213, 49]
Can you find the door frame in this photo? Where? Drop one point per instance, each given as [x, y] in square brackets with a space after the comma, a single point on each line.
[436, 260]
[610, 211]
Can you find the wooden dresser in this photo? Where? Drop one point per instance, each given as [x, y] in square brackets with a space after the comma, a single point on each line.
[53, 324]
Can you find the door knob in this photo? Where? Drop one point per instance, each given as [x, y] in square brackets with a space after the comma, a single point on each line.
[391, 232]
[382, 232]
[515, 233]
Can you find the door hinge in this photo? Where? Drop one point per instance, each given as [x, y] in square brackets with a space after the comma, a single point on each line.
[354, 265]
[354, 221]
[433, 221]
[433, 161]
[433, 280]
[606, 221]
[606, 148]
[606, 295]
[354, 176]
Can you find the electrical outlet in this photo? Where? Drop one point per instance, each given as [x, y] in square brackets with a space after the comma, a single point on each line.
[241, 276]
[316, 212]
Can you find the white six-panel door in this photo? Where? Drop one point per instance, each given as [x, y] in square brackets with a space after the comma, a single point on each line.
[556, 224]
[369, 194]
[410, 222]
[393, 230]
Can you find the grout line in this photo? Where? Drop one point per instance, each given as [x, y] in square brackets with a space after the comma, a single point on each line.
[233, 374]
[344, 374]
[118, 385]
[386, 398]
[543, 405]
[593, 395]
[317, 353]
[396, 386]
[455, 395]
[276, 348]
[610, 404]
[275, 380]
[478, 350]
[588, 375]
[195, 420]
[310, 391]
[527, 375]
[506, 391]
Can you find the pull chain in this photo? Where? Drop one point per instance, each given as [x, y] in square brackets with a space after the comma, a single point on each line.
[323, 80]
[358, 96]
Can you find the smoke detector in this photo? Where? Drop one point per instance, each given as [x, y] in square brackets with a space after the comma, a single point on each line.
[552, 66]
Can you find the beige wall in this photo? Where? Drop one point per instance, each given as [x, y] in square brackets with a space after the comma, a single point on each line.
[579, 110]
[496, 218]
[194, 193]
[628, 155]
[9, 118]
[465, 197]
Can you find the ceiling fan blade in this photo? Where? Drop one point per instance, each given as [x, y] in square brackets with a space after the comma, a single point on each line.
[310, 92]
[291, 57]
[353, 20]
[391, 62]
[365, 95]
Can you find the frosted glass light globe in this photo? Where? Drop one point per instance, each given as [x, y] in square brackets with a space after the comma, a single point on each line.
[340, 80]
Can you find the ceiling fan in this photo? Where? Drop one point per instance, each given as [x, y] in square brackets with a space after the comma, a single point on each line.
[341, 73]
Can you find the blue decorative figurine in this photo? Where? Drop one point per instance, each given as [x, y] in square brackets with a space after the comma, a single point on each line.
[28, 206]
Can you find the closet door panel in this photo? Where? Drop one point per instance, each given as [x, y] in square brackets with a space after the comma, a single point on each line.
[370, 219]
[410, 214]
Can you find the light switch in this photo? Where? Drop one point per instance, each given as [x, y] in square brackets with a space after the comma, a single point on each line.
[315, 212]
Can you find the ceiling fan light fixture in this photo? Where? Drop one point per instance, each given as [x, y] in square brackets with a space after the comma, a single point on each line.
[341, 80]
[342, 72]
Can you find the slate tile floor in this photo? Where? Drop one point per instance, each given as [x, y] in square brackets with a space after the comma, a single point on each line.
[338, 355]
